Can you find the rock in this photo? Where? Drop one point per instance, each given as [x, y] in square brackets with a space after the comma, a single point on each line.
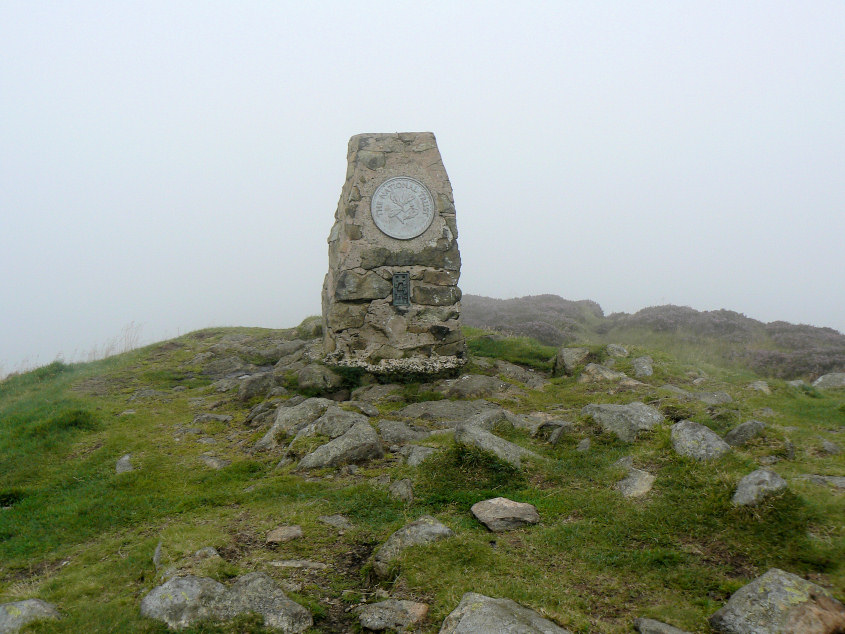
[402, 490]
[333, 423]
[337, 521]
[473, 386]
[626, 421]
[616, 351]
[831, 448]
[479, 614]
[375, 392]
[484, 440]
[17, 614]
[367, 409]
[209, 418]
[209, 552]
[502, 514]
[425, 530]
[182, 601]
[636, 484]
[650, 626]
[713, 398]
[529, 377]
[397, 432]
[283, 534]
[392, 614]
[745, 432]
[760, 386]
[779, 601]
[495, 418]
[301, 564]
[595, 372]
[643, 366]
[257, 592]
[756, 486]
[255, 385]
[445, 410]
[415, 455]
[798, 383]
[830, 381]
[559, 431]
[227, 367]
[319, 378]
[676, 392]
[583, 446]
[124, 465]
[213, 462]
[358, 444]
[290, 420]
[157, 555]
[837, 482]
[568, 359]
[697, 441]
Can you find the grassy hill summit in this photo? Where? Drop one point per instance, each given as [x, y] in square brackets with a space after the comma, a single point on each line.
[226, 481]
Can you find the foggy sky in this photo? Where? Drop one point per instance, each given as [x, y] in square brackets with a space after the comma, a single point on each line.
[178, 164]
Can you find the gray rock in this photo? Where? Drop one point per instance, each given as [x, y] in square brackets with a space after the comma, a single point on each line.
[283, 534]
[290, 420]
[697, 441]
[367, 409]
[358, 444]
[626, 421]
[415, 455]
[255, 385]
[495, 418]
[650, 626]
[713, 398]
[213, 462]
[643, 366]
[17, 614]
[392, 614]
[473, 386]
[676, 392]
[596, 372]
[760, 386]
[402, 490]
[257, 592]
[583, 446]
[616, 351]
[301, 564]
[445, 410]
[124, 465]
[335, 422]
[209, 552]
[831, 448]
[337, 521]
[796, 383]
[780, 602]
[479, 614]
[315, 376]
[484, 440]
[568, 359]
[560, 431]
[502, 514]
[375, 392]
[745, 432]
[830, 381]
[529, 377]
[182, 601]
[756, 486]
[636, 484]
[425, 530]
[397, 432]
[837, 482]
[227, 367]
[209, 418]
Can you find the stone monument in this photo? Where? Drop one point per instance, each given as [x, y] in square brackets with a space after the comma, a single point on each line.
[391, 302]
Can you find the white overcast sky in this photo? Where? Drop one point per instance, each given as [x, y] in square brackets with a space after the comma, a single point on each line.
[178, 164]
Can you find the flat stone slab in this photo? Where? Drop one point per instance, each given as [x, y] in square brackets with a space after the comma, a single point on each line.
[626, 421]
[392, 614]
[650, 626]
[479, 614]
[780, 602]
[182, 601]
[425, 530]
[17, 614]
[697, 441]
[502, 514]
[283, 534]
[597, 372]
[484, 440]
[756, 486]
[636, 484]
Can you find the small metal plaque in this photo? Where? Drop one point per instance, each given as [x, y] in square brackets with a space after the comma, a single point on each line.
[401, 289]
[402, 207]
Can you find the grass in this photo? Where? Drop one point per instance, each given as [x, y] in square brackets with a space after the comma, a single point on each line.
[75, 533]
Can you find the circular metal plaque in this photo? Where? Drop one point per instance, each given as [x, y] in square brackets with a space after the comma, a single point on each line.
[402, 207]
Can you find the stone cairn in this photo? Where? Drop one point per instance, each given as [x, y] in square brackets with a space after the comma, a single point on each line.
[391, 302]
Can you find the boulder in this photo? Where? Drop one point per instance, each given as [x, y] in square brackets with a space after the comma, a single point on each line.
[780, 602]
[290, 420]
[392, 614]
[650, 626]
[830, 448]
[124, 465]
[445, 410]
[568, 359]
[212, 418]
[397, 432]
[626, 421]
[182, 601]
[375, 392]
[583, 446]
[358, 444]
[473, 386]
[616, 351]
[797, 383]
[636, 484]
[256, 385]
[213, 462]
[415, 455]
[479, 614]
[17, 614]
[697, 441]
[493, 418]
[760, 386]
[333, 423]
[529, 377]
[425, 530]
[756, 486]
[318, 378]
[596, 372]
[283, 534]
[830, 381]
[402, 490]
[336, 521]
[745, 432]
[643, 366]
[502, 514]
[713, 398]
[484, 440]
